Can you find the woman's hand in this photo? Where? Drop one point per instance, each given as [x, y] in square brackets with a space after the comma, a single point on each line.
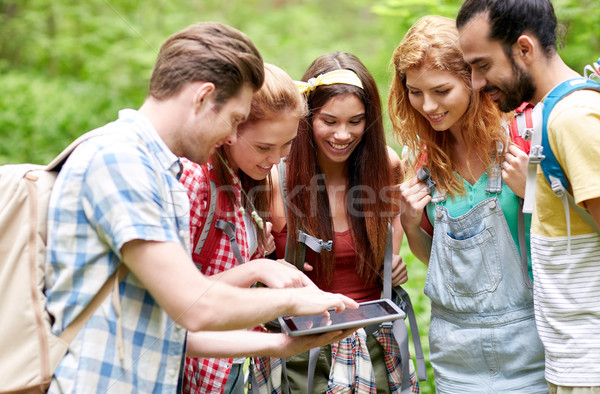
[414, 197]
[399, 271]
[514, 169]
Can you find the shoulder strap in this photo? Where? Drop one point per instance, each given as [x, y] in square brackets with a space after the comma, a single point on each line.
[304, 239]
[399, 329]
[58, 161]
[209, 233]
[301, 251]
[212, 205]
[550, 165]
[521, 127]
[551, 168]
[77, 324]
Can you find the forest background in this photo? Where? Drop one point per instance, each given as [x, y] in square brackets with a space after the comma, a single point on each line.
[68, 66]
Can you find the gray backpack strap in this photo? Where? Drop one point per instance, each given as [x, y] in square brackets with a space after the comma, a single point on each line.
[399, 329]
[229, 229]
[212, 206]
[304, 239]
[313, 356]
[406, 305]
[494, 180]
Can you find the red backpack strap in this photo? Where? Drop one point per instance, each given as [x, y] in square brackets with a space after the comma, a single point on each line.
[521, 127]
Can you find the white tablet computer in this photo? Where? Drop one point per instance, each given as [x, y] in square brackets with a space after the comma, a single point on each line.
[369, 312]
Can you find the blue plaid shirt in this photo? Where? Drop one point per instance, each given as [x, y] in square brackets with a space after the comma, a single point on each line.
[113, 189]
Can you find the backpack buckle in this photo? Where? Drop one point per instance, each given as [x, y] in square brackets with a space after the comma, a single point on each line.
[535, 154]
[425, 176]
[557, 187]
[316, 244]
[527, 134]
[386, 324]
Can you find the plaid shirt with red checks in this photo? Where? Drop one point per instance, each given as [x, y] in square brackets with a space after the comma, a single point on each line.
[209, 375]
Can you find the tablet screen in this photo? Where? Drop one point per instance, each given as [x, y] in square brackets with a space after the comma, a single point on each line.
[369, 312]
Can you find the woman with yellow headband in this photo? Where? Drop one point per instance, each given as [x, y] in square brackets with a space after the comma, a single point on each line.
[482, 336]
[337, 178]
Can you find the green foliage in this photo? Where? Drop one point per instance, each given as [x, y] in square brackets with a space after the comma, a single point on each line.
[67, 67]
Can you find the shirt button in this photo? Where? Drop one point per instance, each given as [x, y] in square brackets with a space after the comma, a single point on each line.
[172, 372]
[181, 233]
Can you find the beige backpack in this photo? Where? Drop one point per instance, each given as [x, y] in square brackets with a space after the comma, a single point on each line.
[30, 353]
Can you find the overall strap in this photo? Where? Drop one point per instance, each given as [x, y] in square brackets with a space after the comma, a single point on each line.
[494, 172]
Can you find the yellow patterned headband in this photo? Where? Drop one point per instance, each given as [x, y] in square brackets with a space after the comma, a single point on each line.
[333, 77]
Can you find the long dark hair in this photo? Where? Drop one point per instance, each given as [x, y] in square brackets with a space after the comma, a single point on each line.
[278, 96]
[368, 172]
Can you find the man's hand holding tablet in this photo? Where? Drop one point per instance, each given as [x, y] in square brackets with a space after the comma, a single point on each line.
[370, 312]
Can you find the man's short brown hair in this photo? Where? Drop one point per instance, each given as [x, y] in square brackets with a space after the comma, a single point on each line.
[208, 52]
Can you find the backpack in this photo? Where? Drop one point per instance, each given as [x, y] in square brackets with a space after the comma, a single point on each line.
[521, 128]
[207, 239]
[397, 294]
[30, 352]
[532, 125]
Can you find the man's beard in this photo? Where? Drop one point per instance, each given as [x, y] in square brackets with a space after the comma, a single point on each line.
[514, 92]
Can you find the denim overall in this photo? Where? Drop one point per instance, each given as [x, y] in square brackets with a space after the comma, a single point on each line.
[482, 336]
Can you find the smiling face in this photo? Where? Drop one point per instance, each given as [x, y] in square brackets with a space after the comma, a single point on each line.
[493, 71]
[440, 96]
[338, 127]
[262, 143]
[211, 126]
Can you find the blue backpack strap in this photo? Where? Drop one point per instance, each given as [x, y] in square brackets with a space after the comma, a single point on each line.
[550, 165]
[552, 170]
